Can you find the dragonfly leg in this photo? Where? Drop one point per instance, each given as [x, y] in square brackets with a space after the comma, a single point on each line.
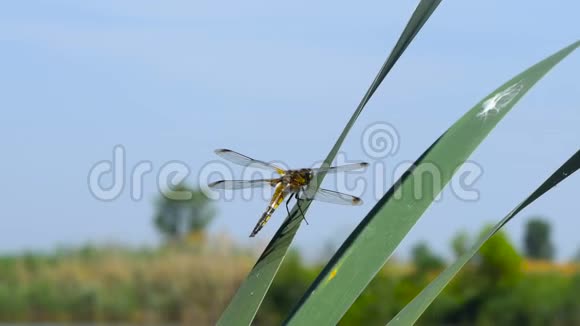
[287, 203]
[300, 208]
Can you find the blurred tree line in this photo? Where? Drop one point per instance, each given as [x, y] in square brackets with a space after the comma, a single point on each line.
[191, 279]
[182, 214]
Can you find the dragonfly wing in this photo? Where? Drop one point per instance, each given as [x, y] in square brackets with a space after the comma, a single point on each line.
[240, 184]
[244, 160]
[330, 196]
[341, 168]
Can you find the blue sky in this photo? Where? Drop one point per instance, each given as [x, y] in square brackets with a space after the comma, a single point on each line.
[174, 80]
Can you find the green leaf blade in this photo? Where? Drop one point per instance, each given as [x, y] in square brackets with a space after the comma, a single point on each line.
[373, 241]
[247, 300]
[411, 313]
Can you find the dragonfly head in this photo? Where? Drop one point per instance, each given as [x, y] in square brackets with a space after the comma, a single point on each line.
[306, 175]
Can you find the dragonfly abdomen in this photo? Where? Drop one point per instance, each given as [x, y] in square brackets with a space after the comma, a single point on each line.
[263, 220]
[277, 199]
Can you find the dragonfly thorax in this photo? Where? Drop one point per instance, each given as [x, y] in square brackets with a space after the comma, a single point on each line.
[297, 179]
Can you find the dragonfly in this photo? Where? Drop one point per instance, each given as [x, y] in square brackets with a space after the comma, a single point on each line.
[289, 184]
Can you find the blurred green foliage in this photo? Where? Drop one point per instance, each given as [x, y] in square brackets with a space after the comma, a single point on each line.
[425, 260]
[500, 263]
[193, 284]
[537, 242]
